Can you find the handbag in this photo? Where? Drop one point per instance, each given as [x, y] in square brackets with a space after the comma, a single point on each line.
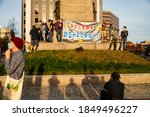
[13, 88]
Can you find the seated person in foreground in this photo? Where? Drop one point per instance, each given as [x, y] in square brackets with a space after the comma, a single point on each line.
[113, 89]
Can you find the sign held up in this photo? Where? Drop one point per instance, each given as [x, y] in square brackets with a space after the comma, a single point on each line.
[87, 31]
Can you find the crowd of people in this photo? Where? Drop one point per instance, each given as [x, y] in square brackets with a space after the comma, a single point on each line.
[44, 32]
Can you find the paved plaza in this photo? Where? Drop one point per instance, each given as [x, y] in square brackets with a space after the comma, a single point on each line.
[86, 92]
[61, 87]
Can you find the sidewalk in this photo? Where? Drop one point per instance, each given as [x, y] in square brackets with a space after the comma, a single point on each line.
[70, 87]
[87, 92]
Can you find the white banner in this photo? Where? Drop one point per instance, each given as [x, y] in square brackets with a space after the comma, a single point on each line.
[75, 31]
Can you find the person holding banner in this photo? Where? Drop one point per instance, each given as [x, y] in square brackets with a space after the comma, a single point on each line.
[34, 38]
[14, 65]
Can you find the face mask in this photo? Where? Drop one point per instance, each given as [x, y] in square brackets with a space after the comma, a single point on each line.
[9, 45]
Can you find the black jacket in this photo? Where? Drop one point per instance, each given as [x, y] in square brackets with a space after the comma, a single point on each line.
[124, 34]
[115, 89]
[34, 34]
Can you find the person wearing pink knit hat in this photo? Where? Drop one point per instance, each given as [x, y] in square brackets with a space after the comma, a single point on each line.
[14, 65]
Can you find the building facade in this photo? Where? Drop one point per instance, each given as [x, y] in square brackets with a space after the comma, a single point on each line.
[110, 18]
[33, 11]
[79, 10]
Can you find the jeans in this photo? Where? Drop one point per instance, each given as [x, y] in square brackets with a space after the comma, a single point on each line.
[111, 43]
[114, 43]
[51, 36]
[59, 35]
[44, 35]
[123, 42]
[120, 45]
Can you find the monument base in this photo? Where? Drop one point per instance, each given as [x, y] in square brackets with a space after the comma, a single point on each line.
[72, 46]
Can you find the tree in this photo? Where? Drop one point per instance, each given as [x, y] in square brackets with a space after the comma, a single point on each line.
[12, 24]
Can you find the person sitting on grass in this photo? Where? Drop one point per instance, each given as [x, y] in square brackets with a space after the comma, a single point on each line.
[113, 89]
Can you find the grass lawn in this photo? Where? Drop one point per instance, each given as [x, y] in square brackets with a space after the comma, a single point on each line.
[72, 62]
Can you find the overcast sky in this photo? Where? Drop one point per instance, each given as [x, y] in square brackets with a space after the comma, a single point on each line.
[135, 14]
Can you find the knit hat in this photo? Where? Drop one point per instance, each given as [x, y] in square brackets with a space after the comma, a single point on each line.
[18, 42]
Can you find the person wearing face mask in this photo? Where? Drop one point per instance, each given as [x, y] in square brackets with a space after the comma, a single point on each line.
[14, 65]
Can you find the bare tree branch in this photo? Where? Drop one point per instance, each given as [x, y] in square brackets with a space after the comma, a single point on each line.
[12, 24]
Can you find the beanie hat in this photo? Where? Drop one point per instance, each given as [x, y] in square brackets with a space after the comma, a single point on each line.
[18, 42]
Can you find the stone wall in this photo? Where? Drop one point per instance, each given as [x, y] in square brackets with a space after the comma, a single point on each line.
[72, 46]
[76, 10]
[65, 79]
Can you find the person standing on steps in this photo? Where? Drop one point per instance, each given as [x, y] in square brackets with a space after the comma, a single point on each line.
[51, 28]
[124, 35]
[114, 38]
[34, 38]
[58, 28]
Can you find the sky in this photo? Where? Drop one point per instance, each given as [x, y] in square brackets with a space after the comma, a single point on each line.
[8, 10]
[135, 14]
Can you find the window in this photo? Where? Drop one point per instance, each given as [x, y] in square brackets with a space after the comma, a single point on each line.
[24, 13]
[36, 2]
[24, 30]
[36, 20]
[24, 21]
[24, 5]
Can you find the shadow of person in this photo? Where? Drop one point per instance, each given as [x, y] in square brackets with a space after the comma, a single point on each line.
[97, 83]
[54, 90]
[94, 80]
[73, 91]
[88, 89]
[86, 80]
[38, 79]
[35, 86]
[28, 81]
[54, 82]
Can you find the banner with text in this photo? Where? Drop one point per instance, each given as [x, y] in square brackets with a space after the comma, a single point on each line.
[86, 31]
